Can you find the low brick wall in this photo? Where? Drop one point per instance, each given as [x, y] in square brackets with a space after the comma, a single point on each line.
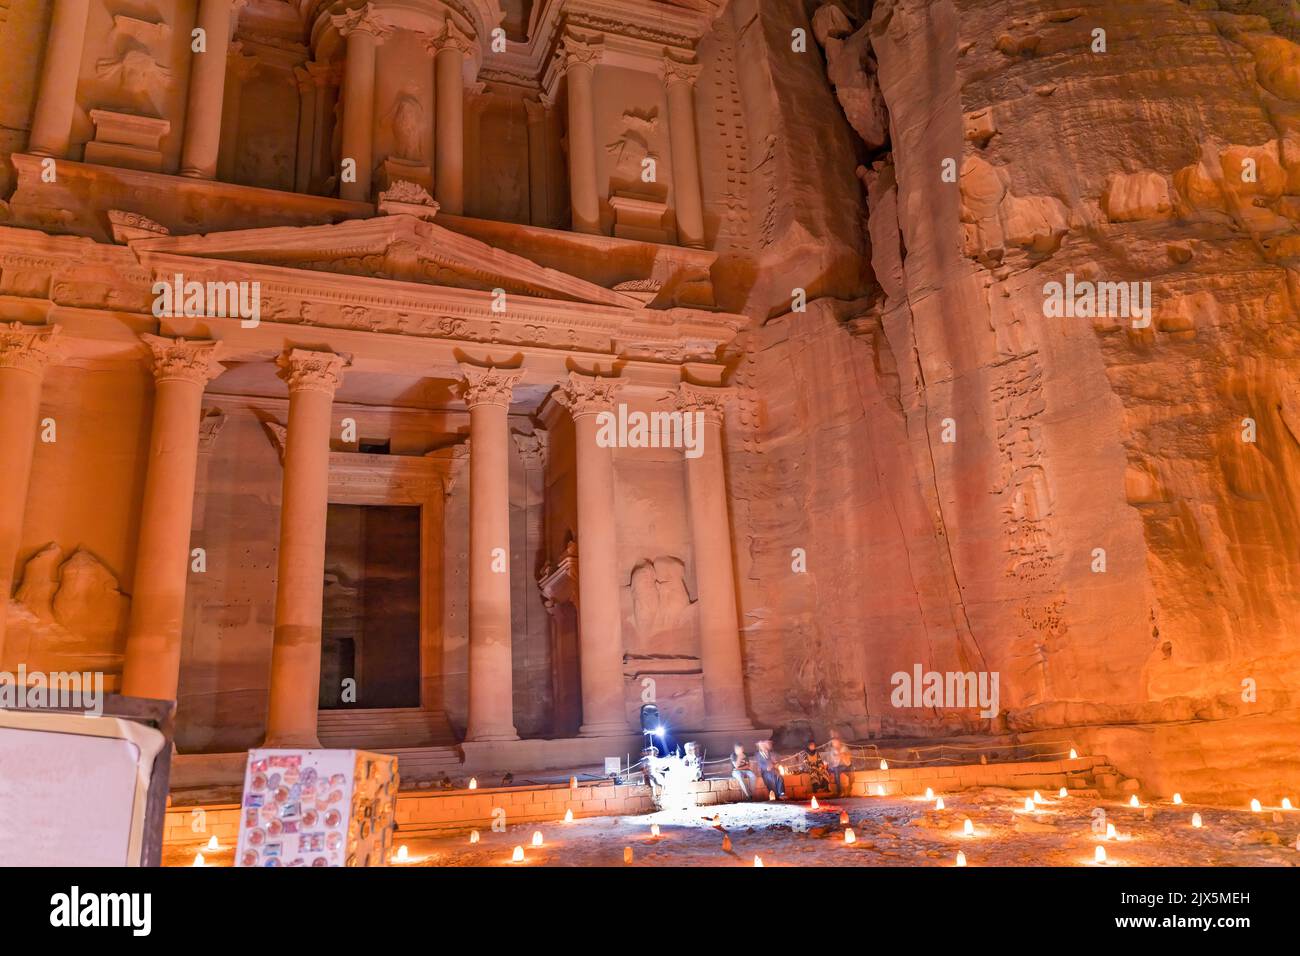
[428, 811]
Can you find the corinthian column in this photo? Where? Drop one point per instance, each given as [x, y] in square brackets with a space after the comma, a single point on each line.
[580, 65]
[449, 49]
[153, 644]
[487, 392]
[25, 350]
[203, 111]
[600, 630]
[715, 578]
[689, 207]
[57, 99]
[300, 582]
[364, 29]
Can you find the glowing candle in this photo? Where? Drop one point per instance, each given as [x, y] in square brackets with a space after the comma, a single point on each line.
[627, 854]
[844, 817]
[518, 855]
[814, 803]
[850, 836]
[198, 860]
[1038, 797]
[968, 828]
[214, 845]
[1029, 805]
[1178, 799]
[403, 854]
[1110, 831]
[654, 830]
[938, 804]
[1286, 805]
[929, 793]
[758, 860]
[473, 836]
[1074, 754]
[961, 858]
[884, 765]
[1254, 805]
[781, 769]
[1133, 801]
[726, 843]
[537, 838]
[1100, 855]
[880, 790]
[771, 794]
[568, 816]
[1062, 793]
[473, 783]
[1196, 821]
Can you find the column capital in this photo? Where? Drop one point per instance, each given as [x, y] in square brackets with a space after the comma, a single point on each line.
[488, 385]
[363, 19]
[586, 395]
[450, 37]
[574, 51]
[710, 400]
[676, 71]
[311, 371]
[181, 360]
[28, 348]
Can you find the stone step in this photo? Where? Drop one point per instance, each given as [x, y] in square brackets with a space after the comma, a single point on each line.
[383, 729]
[424, 763]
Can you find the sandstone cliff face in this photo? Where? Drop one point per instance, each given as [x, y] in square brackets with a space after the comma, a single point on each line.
[1173, 157]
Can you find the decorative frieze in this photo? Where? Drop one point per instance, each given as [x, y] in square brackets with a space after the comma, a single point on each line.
[710, 401]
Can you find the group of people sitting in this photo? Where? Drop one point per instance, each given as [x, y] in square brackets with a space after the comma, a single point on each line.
[821, 771]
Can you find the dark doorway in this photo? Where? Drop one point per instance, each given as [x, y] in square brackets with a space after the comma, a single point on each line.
[370, 628]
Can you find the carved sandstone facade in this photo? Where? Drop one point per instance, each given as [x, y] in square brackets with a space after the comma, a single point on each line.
[432, 240]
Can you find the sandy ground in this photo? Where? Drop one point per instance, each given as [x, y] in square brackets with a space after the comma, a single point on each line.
[890, 831]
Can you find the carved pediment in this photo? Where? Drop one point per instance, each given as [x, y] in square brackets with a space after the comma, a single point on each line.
[399, 247]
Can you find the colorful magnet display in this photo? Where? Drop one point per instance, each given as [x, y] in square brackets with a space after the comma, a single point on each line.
[317, 808]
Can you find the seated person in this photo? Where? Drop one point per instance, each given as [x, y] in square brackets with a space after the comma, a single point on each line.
[769, 769]
[741, 770]
[815, 767]
[840, 765]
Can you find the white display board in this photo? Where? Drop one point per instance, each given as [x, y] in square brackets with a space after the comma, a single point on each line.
[73, 789]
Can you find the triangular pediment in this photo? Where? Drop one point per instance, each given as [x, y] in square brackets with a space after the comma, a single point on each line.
[399, 247]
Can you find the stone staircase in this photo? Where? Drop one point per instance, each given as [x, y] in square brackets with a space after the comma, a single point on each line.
[419, 764]
[385, 729]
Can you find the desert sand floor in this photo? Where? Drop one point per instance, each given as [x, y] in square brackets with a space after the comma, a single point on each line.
[890, 831]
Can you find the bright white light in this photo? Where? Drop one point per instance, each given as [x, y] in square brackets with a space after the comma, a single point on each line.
[518, 855]
[850, 836]
[473, 783]
[568, 816]
[1074, 754]
[929, 793]
[403, 854]
[198, 860]
[758, 861]
[213, 844]
[473, 836]
[1196, 821]
[1133, 801]
[961, 858]
[1178, 799]
[1100, 855]
[659, 731]
[1110, 831]
[884, 765]
[938, 804]
[968, 828]
[1029, 805]
[1062, 793]
[1255, 807]
[537, 838]
[654, 829]
[814, 803]
[1286, 805]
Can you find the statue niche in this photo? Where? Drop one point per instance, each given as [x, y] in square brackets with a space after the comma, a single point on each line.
[662, 612]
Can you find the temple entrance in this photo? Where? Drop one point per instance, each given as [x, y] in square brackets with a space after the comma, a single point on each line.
[370, 628]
